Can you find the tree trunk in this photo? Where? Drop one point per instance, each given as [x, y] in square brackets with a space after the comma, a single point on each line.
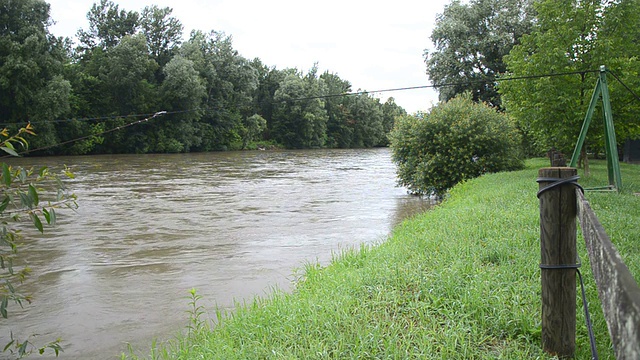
[584, 158]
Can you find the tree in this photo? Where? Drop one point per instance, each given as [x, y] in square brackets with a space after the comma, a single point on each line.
[32, 87]
[575, 37]
[22, 196]
[390, 112]
[269, 80]
[126, 80]
[251, 127]
[367, 116]
[470, 41]
[181, 91]
[229, 81]
[299, 119]
[128, 73]
[455, 141]
[162, 31]
[339, 118]
[107, 26]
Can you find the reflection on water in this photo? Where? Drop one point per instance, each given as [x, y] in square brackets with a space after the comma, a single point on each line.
[232, 225]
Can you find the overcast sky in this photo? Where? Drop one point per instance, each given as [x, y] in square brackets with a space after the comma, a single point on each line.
[373, 44]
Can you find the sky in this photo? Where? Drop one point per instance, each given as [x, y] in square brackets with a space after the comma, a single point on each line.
[374, 45]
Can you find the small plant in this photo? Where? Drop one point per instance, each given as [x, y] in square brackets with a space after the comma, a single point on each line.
[21, 195]
[196, 323]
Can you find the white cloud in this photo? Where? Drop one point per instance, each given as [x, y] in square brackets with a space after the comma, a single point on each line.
[375, 45]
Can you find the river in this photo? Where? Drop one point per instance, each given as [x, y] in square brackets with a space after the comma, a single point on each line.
[233, 225]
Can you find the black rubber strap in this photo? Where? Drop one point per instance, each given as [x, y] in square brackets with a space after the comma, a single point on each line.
[560, 267]
[555, 182]
[592, 338]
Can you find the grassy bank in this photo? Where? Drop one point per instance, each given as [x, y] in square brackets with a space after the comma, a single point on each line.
[460, 281]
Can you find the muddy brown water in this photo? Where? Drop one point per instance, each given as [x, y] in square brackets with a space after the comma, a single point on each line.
[232, 225]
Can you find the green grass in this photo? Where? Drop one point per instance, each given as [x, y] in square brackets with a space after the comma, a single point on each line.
[458, 282]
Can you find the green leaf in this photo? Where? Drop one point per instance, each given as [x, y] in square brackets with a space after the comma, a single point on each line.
[25, 200]
[22, 350]
[36, 222]
[4, 204]
[23, 175]
[9, 150]
[6, 174]
[68, 173]
[33, 194]
[3, 306]
[52, 214]
[56, 346]
[47, 216]
[8, 345]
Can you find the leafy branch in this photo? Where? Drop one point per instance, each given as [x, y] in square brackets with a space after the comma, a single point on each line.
[24, 192]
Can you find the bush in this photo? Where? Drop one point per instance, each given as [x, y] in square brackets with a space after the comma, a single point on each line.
[455, 141]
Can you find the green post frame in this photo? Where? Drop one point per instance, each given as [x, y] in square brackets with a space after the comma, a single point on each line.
[611, 146]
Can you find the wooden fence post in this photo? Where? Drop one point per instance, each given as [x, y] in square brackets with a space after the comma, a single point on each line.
[557, 254]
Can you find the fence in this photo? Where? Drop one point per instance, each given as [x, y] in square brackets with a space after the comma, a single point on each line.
[561, 204]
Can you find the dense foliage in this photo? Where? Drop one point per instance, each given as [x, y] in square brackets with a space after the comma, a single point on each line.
[128, 65]
[455, 141]
[574, 36]
[470, 41]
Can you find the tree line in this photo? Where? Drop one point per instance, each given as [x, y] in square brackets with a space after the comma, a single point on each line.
[128, 65]
[530, 68]
[481, 44]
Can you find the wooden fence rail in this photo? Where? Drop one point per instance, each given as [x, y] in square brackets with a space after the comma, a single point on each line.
[560, 205]
[617, 289]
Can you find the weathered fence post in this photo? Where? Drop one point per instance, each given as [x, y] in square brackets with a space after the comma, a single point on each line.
[558, 260]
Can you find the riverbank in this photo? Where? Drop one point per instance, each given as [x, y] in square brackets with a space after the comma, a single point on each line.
[459, 281]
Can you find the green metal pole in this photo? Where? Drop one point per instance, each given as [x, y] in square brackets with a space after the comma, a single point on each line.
[613, 164]
[586, 123]
[607, 149]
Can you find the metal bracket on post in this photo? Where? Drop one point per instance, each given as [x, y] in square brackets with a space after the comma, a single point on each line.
[611, 146]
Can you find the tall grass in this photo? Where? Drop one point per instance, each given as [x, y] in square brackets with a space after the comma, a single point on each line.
[460, 281]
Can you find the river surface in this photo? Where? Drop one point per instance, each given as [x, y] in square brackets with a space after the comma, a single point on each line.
[233, 225]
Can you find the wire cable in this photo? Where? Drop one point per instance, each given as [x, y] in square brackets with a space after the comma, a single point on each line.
[159, 113]
[587, 318]
[625, 85]
[151, 116]
[493, 80]
[354, 93]
[113, 117]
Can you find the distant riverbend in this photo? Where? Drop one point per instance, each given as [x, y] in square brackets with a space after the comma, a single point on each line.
[233, 225]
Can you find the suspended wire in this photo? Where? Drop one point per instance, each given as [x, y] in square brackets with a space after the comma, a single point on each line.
[364, 92]
[159, 113]
[461, 83]
[113, 117]
[151, 116]
[625, 85]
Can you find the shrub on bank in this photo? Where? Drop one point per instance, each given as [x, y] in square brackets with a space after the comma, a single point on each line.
[455, 141]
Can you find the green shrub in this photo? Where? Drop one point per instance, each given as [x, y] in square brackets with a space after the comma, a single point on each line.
[455, 141]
